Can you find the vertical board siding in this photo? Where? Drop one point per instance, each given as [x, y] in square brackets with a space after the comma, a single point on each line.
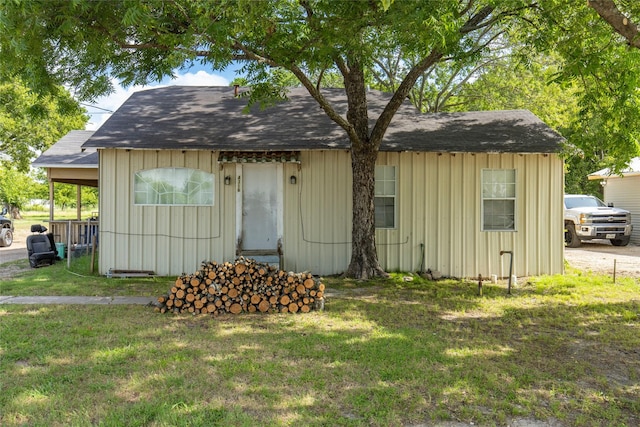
[440, 208]
[438, 216]
[169, 240]
[624, 193]
[317, 213]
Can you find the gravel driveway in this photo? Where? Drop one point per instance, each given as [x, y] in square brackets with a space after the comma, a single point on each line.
[600, 256]
[18, 250]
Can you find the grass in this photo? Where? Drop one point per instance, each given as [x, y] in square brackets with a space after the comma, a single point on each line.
[42, 216]
[58, 279]
[383, 353]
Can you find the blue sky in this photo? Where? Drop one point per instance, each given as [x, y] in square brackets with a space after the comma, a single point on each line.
[195, 76]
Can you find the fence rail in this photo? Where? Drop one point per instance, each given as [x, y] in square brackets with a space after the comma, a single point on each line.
[74, 231]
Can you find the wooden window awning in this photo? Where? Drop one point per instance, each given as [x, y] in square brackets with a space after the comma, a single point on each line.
[259, 157]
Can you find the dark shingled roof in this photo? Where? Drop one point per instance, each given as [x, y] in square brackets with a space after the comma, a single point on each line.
[211, 118]
[67, 152]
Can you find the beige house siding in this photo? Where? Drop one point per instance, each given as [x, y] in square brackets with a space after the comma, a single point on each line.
[168, 240]
[438, 209]
[624, 193]
[439, 206]
[317, 225]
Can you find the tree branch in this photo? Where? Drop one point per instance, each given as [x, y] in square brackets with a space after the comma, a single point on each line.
[322, 101]
[608, 11]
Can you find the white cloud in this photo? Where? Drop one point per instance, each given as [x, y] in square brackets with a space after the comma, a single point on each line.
[200, 78]
[115, 100]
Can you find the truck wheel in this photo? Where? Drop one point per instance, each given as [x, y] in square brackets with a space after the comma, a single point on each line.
[624, 241]
[6, 237]
[570, 236]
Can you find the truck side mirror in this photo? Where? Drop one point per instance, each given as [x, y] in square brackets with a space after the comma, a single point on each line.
[610, 204]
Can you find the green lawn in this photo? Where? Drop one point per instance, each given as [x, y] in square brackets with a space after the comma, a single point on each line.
[383, 353]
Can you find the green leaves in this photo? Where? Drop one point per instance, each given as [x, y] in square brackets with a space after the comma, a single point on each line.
[30, 123]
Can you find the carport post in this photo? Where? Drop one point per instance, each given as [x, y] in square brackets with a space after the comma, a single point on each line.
[69, 245]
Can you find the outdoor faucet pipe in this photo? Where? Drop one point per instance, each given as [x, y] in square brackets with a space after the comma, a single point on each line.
[510, 268]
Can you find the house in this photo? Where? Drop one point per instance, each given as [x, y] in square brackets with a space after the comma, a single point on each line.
[186, 176]
[622, 191]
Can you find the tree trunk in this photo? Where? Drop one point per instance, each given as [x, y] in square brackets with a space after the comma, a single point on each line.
[364, 257]
[15, 213]
[364, 152]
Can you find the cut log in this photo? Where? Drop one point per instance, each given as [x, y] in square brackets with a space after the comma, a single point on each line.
[240, 268]
[264, 306]
[301, 289]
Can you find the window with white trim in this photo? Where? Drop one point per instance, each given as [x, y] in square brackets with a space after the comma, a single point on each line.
[498, 199]
[173, 186]
[385, 197]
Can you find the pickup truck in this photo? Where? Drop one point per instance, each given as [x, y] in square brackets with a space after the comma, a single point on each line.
[587, 218]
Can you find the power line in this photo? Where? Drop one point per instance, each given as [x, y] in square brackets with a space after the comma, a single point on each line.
[97, 108]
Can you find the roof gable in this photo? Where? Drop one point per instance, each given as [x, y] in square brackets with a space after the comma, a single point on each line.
[212, 118]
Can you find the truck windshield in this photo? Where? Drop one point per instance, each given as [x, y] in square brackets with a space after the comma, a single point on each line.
[583, 202]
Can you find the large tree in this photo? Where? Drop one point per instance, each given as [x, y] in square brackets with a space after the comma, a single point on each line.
[603, 61]
[84, 44]
[31, 123]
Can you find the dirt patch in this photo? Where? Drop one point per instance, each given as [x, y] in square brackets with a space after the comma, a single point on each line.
[9, 271]
[601, 257]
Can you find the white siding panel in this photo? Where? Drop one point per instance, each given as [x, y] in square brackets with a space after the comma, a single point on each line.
[624, 193]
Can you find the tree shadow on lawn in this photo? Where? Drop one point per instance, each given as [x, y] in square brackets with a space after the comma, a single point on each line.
[574, 361]
[389, 357]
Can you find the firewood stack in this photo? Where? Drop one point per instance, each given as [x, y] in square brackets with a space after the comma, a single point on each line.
[243, 286]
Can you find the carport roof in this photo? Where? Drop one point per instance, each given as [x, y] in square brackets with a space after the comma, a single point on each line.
[68, 152]
[632, 169]
[66, 161]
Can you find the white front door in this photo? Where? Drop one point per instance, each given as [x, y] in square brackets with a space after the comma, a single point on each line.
[261, 206]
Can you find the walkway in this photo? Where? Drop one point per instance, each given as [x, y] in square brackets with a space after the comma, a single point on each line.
[77, 300]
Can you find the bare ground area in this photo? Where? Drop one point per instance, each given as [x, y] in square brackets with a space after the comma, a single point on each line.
[601, 257]
[18, 250]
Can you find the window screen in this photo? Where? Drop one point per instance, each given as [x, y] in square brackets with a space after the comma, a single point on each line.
[385, 197]
[498, 200]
